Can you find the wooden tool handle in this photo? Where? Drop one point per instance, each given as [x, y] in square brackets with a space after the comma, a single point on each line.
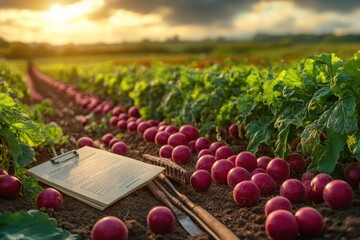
[219, 228]
[159, 195]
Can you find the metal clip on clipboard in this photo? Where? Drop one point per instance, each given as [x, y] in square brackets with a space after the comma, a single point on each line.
[64, 156]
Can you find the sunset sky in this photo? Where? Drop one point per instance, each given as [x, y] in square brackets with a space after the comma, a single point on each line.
[109, 21]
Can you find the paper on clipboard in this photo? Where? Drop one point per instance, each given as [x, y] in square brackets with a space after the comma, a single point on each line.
[96, 177]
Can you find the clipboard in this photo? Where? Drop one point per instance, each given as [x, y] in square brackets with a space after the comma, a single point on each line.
[96, 177]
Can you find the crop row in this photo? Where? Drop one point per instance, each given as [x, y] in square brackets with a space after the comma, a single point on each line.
[22, 128]
[311, 106]
[247, 187]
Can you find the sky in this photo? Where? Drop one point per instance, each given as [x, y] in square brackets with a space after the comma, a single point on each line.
[111, 21]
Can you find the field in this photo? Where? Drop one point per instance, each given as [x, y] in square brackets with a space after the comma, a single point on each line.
[281, 100]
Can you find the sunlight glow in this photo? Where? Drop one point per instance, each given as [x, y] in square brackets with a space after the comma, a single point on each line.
[61, 14]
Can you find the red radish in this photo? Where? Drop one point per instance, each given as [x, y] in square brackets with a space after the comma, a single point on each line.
[246, 194]
[139, 120]
[205, 162]
[116, 111]
[277, 203]
[113, 121]
[278, 169]
[161, 138]
[265, 183]
[234, 130]
[318, 184]
[293, 190]
[152, 122]
[237, 175]
[119, 148]
[106, 108]
[108, 228]
[133, 112]
[171, 129]
[307, 176]
[3, 172]
[338, 194]
[257, 170]
[281, 224]
[214, 146]
[190, 132]
[200, 180]
[10, 186]
[223, 152]
[181, 154]
[162, 127]
[162, 123]
[232, 159]
[177, 139]
[160, 220]
[352, 174]
[202, 143]
[220, 170]
[84, 141]
[107, 138]
[113, 141]
[123, 116]
[141, 127]
[166, 151]
[204, 152]
[307, 186]
[131, 119]
[263, 161]
[297, 162]
[191, 145]
[246, 160]
[131, 126]
[149, 134]
[310, 222]
[121, 124]
[49, 198]
[85, 121]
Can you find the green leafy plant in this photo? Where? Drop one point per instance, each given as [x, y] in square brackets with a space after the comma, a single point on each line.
[33, 224]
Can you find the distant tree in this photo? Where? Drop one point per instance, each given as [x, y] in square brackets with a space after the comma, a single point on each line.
[3, 42]
[19, 50]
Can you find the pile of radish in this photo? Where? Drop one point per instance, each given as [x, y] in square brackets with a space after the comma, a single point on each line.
[248, 177]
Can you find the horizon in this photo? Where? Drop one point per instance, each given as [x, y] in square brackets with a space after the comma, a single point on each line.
[83, 22]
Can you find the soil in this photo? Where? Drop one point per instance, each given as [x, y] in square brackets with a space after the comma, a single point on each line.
[246, 223]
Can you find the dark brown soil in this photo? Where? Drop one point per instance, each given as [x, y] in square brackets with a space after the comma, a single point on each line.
[246, 223]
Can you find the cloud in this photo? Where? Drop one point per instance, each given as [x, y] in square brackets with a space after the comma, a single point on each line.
[180, 12]
[344, 6]
[32, 4]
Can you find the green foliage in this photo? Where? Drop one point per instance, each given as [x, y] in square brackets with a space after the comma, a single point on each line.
[314, 102]
[31, 225]
[21, 129]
